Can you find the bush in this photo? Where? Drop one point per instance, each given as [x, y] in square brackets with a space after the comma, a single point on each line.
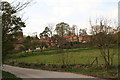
[70, 45]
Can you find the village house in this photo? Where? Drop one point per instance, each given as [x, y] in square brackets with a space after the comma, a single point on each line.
[85, 38]
[48, 41]
[72, 38]
[75, 38]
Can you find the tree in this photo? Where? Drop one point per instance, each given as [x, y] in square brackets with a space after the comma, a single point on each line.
[117, 36]
[22, 48]
[46, 33]
[103, 39]
[28, 43]
[58, 41]
[74, 29]
[11, 24]
[33, 43]
[62, 29]
[43, 45]
[50, 26]
[82, 32]
[39, 44]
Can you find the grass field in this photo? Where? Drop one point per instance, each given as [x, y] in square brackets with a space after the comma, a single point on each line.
[82, 56]
[71, 56]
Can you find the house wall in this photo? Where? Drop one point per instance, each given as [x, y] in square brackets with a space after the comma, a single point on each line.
[75, 38]
[85, 38]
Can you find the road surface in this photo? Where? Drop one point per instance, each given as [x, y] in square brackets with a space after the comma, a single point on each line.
[33, 73]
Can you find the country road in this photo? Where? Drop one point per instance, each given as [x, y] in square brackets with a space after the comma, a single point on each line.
[33, 73]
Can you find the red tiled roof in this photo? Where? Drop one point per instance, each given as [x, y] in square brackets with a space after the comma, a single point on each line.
[69, 36]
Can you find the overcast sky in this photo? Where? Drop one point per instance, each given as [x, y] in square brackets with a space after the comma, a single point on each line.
[74, 12]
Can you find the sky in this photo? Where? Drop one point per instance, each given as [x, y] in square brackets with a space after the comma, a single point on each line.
[74, 12]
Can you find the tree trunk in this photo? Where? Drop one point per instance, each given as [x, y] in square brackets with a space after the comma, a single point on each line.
[108, 56]
[104, 56]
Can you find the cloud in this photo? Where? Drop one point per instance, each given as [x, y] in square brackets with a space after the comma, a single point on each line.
[65, 8]
[71, 11]
[112, 14]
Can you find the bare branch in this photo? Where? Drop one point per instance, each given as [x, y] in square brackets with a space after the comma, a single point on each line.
[20, 6]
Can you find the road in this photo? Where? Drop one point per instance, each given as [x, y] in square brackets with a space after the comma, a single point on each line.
[33, 73]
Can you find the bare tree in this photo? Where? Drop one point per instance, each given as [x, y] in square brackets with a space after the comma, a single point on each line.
[64, 58]
[74, 29]
[50, 26]
[103, 39]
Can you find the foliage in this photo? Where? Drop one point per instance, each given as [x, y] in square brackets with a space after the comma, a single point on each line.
[74, 30]
[27, 42]
[62, 29]
[116, 37]
[46, 33]
[43, 45]
[58, 41]
[33, 43]
[82, 32]
[71, 45]
[9, 76]
[11, 24]
[22, 48]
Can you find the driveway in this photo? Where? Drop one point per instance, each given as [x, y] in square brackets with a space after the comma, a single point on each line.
[33, 73]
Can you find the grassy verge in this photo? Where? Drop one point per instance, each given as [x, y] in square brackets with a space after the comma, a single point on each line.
[96, 71]
[9, 76]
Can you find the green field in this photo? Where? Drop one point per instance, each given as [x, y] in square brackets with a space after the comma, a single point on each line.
[79, 56]
[71, 56]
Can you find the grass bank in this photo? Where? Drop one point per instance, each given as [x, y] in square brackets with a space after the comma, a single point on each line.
[9, 76]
